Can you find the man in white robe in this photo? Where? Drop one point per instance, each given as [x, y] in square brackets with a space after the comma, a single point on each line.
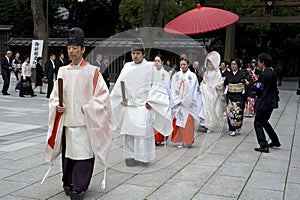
[82, 128]
[145, 107]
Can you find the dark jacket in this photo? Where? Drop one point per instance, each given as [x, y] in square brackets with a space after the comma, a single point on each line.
[49, 70]
[266, 90]
[5, 65]
[58, 64]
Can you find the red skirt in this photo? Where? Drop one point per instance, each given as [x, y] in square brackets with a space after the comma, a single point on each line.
[184, 135]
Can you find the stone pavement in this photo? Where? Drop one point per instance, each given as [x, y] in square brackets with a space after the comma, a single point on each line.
[217, 167]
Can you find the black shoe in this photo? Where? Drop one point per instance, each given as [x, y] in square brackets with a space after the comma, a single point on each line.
[263, 150]
[67, 190]
[271, 145]
[131, 162]
[34, 95]
[22, 96]
[143, 164]
[77, 195]
[187, 146]
[5, 93]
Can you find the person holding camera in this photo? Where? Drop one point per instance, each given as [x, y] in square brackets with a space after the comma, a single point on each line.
[267, 100]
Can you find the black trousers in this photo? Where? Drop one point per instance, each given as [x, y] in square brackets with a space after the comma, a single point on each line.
[50, 87]
[260, 123]
[77, 174]
[6, 80]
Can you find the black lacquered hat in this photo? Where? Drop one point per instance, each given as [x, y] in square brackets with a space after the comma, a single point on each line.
[76, 37]
[138, 45]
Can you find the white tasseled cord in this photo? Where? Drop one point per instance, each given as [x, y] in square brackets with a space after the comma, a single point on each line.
[48, 172]
[104, 179]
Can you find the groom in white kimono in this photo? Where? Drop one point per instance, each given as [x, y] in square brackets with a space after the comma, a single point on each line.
[141, 108]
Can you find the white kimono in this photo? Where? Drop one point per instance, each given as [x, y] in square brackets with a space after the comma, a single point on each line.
[142, 85]
[87, 117]
[186, 95]
[210, 95]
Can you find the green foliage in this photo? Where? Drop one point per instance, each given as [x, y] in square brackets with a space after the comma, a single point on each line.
[131, 14]
[18, 14]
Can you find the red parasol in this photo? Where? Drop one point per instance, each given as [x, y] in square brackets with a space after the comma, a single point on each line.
[201, 20]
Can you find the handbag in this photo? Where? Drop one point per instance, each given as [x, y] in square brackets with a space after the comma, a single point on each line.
[45, 80]
[26, 84]
[298, 91]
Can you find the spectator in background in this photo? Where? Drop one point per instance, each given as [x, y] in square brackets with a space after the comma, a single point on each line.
[167, 66]
[106, 71]
[224, 67]
[26, 89]
[39, 75]
[49, 72]
[279, 74]
[255, 67]
[59, 62]
[6, 69]
[17, 65]
[250, 96]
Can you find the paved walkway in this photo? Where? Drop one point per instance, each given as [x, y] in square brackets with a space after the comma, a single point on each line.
[217, 167]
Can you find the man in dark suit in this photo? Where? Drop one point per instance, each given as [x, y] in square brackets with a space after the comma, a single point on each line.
[103, 66]
[49, 72]
[106, 71]
[6, 69]
[59, 62]
[267, 100]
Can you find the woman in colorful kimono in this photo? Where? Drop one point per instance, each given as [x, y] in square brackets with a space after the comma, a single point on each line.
[249, 110]
[235, 91]
[187, 105]
[212, 88]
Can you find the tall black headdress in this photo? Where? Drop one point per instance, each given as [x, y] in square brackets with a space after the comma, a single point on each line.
[138, 45]
[76, 37]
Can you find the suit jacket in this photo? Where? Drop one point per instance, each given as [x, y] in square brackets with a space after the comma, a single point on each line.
[49, 70]
[104, 72]
[266, 90]
[5, 65]
[58, 64]
[106, 75]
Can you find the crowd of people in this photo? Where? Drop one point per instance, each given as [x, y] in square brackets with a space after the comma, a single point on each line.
[32, 76]
[148, 103]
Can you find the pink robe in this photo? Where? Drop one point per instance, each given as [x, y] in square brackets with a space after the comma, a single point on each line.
[90, 106]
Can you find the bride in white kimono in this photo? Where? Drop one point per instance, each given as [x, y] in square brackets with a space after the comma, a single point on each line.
[211, 88]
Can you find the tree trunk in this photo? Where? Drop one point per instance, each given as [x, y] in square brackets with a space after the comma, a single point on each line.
[148, 13]
[40, 25]
[161, 14]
